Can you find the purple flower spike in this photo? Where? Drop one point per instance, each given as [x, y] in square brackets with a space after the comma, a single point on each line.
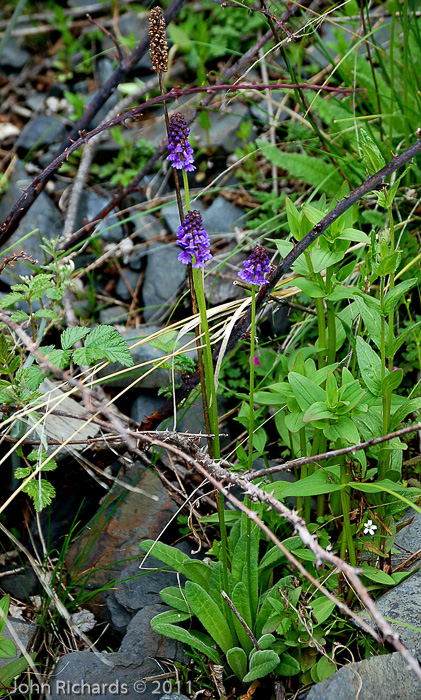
[256, 267]
[193, 240]
[181, 156]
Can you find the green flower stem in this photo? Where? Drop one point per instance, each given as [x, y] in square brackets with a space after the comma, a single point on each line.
[306, 503]
[347, 541]
[186, 191]
[252, 338]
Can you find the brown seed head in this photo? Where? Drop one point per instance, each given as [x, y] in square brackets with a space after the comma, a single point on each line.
[158, 46]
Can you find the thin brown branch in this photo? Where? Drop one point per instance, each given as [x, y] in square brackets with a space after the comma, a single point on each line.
[215, 474]
[241, 620]
[332, 453]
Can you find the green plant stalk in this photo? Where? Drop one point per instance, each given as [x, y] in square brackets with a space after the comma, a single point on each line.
[406, 69]
[251, 430]
[321, 324]
[305, 502]
[347, 541]
[252, 343]
[392, 70]
[186, 191]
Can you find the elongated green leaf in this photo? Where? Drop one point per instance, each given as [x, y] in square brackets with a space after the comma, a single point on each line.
[394, 296]
[210, 615]
[237, 661]
[305, 391]
[168, 555]
[198, 571]
[174, 597]
[182, 635]
[318, 411]
[171, 617]
[312, 289]
[13, 670]
[312, 485]
[240, 599]
[354, 234]
[4, 607]
[370, 366]
[377, 575]
[261, 664]
[274, 555]
[388, 486]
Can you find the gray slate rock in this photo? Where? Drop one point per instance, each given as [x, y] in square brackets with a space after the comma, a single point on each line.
[121, 679]
[41, 131]
[164, 276]
[90, 204]
[140, 638]
[23, 630]
[136, 589]
[43, 214]
[144, 405]
[224, 123]
[122, 290]
[13, 55]
[379, 677]
[113, 315]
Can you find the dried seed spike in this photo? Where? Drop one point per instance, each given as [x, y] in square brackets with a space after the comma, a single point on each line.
[158, 45]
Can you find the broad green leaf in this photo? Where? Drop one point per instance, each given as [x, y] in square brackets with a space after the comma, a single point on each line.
[104, 342]
[46, 313]
[322, 608]
[294, 422]
[210, 615]
[377, 575]
[72, 335]
[370, 366]
[268, 398]
[393, 297]
[389, 264]
[261, 664]
[325, 668]
[318, 411]
[274, 554]
[312, 485]
[305, 391]
[343, 428]
[266, 641]
[322, 259]
[312, 289]
[354, 234]
[198, 571]
[19, 316]
[288, 666]
[7, 649]
[237, 661]
[241, 600]
[182, 635]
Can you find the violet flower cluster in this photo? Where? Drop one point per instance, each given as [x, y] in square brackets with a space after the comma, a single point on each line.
[193, 240]
[181, 156]
[256, 267]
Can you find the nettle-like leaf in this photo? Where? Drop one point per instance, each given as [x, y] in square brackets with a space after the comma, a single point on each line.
[72, 335]
[104, 342]
[41, 491]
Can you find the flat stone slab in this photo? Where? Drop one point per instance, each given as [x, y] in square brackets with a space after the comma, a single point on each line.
[63, 427]
[381, 677]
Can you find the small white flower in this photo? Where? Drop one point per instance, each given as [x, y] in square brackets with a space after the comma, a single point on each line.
[369, 528]
[329, 548]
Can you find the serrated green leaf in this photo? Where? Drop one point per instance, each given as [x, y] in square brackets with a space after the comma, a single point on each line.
[46, 313]
[19, 316]
[72, 335]
[261, 664]
[210, 615]
[11, 299]
[41, 491]
[313, 171]
[104, 342]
